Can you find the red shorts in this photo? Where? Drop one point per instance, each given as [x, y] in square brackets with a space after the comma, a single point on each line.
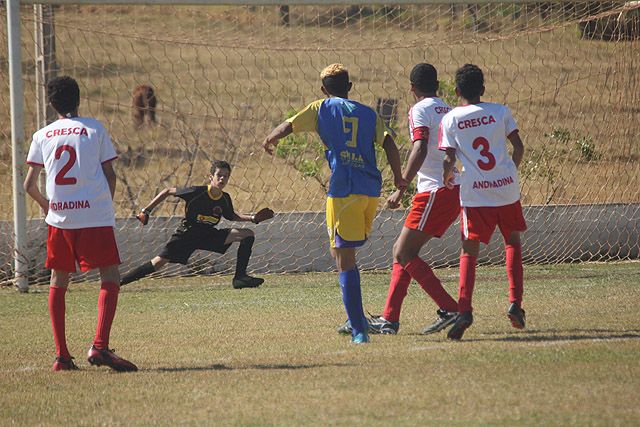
[479, 223]
[434, 211]
[91, 247]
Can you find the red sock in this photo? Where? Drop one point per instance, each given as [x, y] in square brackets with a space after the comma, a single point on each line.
[398, 287]
[514, 273]
[107, 303]
[56, 312]
[467, 280]
[420, 270]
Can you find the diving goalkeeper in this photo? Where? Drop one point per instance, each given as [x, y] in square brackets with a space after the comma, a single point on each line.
[205, 205]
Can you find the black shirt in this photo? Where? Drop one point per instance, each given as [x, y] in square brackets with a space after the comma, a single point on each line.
[201, 210]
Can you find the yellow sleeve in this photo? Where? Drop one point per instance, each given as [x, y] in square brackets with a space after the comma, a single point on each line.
[307, 119]
[382, 130]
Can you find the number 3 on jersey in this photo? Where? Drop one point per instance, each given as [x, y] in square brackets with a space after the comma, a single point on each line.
[350, 125]
[483, 143]
[61, 179]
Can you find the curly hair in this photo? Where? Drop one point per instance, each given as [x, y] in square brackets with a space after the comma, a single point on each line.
[335, 79]
[64, 95]
[424, 77]
[220, 164]
[469, 81]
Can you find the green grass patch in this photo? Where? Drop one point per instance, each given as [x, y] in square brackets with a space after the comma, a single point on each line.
[212, 355]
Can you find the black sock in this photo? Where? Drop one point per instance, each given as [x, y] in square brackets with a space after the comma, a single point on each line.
[244, 253]
[138, 273]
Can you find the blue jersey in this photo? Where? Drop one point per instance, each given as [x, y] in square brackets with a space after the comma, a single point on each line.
[349, 131]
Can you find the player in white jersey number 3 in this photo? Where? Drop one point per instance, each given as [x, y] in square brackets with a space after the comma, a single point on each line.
[477, 133]
[76, 154]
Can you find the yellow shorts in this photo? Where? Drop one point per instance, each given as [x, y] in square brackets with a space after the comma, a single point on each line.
[349, 219]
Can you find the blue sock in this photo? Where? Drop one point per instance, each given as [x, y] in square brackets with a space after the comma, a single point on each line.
[352, 299]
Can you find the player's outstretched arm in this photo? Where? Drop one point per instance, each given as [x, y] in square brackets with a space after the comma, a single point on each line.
[448, 165]
[518, 147]
[393, 157]
[145, 213]
[282, 130]
[31, 187]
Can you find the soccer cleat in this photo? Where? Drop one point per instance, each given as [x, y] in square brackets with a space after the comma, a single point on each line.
[360, 338]
[380, 325]
[246, 282]
[444, 320]
[463, 321]
[345, 328]
[62, 364]
[108, 358]
[516, 315]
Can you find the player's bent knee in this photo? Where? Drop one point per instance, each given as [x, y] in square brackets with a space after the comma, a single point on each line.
[159, 262]
[403, 258]
[59, 278]
[238, 234]
[110, 274]
[248, 241]
[402, 254]
[513, 239]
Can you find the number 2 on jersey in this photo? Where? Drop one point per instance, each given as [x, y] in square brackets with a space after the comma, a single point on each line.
[350, 124]
[484, 152]
[61, 179]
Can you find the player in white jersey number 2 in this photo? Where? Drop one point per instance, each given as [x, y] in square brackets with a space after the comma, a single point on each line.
[477, 133]
[76, 154]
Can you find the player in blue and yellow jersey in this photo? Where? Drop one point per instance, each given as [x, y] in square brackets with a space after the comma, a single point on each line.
[349, 131]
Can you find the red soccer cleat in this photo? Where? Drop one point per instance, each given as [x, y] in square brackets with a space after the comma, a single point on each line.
[62, 364]
[108, 358]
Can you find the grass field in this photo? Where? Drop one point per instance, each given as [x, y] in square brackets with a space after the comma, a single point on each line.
[211, 355]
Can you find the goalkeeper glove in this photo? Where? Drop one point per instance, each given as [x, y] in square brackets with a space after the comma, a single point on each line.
[262, 215]
[143, 216]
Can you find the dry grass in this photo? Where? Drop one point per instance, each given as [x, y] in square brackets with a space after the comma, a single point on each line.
[224, 76]
[210, 355]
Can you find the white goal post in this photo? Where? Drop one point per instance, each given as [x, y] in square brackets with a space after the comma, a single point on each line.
[569, 69]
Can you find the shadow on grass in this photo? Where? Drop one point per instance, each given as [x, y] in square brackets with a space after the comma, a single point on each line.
[559, 335]
[222, 367]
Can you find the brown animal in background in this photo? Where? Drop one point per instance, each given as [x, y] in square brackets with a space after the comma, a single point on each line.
[144, 104]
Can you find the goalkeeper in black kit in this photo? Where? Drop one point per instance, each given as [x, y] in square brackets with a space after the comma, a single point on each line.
[205, 206]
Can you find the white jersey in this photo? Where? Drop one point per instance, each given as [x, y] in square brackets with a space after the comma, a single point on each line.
[479, 134]
[72, 151]
[424, 122]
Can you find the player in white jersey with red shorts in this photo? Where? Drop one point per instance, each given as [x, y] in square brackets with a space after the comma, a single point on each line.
[477, 133]
[434, 208]
[76, 154]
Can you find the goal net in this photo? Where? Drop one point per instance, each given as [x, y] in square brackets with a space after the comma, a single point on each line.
[223, 76]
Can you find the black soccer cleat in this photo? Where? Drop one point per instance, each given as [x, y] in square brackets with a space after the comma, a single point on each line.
[380, 325]
[246, 282]
[516, 315]
[444, 320]
[463, 321]
[345, 328]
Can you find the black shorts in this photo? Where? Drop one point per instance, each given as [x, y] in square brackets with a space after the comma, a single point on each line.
[183, 243]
